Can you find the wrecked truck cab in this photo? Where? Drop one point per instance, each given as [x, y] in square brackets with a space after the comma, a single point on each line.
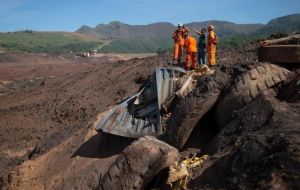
[140, 114]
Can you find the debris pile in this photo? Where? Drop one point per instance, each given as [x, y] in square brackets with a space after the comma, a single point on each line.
[236, 128]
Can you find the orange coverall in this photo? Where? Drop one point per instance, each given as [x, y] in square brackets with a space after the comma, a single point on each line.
[191, 52]
[178, 45]
[211, 48]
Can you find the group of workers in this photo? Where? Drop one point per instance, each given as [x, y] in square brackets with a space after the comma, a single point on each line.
[182, 40]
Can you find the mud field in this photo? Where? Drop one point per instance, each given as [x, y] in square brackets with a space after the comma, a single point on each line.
[48, 105]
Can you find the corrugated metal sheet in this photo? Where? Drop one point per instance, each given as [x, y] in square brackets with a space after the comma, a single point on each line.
[121, 121]
[165, 82]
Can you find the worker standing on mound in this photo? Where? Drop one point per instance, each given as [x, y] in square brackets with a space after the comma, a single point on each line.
[178, 44]
[201, 46]
[191, 52]
[212, 41]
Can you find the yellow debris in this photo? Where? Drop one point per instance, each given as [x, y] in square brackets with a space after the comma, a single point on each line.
[178, 172]
[195, 161]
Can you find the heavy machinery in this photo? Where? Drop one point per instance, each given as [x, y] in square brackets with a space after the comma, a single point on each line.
[282, 50]
[164, 108]
[286, 52]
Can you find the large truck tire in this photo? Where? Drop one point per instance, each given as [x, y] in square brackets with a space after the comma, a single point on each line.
[247, 88]
[139, 163]
[291, 92]
[186, 115]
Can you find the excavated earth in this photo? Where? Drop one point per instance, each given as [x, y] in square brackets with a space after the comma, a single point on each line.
[48, 105]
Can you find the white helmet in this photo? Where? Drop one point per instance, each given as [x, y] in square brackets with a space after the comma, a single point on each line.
[180, 25]
[210, 27]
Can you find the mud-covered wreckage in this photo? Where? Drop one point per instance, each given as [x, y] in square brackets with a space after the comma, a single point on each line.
[283, 50]
[140, 114]
[172, 96]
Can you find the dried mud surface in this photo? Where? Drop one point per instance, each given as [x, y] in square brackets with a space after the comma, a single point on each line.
[48, 105]
[47, 108]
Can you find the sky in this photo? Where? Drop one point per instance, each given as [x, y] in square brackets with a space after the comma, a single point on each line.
[69, 15]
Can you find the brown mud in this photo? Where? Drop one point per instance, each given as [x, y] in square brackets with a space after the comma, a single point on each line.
[48, 105]
[54, 114]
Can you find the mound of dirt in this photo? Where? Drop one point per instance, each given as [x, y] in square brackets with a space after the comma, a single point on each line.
[37, 117]
[47, 140]
[258, 149]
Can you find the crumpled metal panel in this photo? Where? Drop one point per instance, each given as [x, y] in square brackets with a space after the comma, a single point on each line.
[165, 82]
[120, 121]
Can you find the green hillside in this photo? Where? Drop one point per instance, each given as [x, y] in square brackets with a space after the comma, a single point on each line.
[138, 45]
[151, 38]
[141, 39]
[287, 24]
[226, 29]
[47, 42]
[116, 29]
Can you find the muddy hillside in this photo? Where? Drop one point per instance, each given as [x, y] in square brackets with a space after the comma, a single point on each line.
[48, 105]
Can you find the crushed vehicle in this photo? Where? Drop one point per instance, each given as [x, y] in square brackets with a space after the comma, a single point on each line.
[170, 105]
[148, 112]
[140, 115]
[282, 50]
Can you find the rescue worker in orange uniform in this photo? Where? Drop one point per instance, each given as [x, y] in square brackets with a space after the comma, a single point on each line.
[191, 52]
[211, 45]
[178, 43]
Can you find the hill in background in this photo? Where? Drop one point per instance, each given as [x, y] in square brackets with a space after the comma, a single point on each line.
[132, 38]
[157, 36]
[289, 24]
[116, 29]
[117, 37]
[119, 30]
[48, 42]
